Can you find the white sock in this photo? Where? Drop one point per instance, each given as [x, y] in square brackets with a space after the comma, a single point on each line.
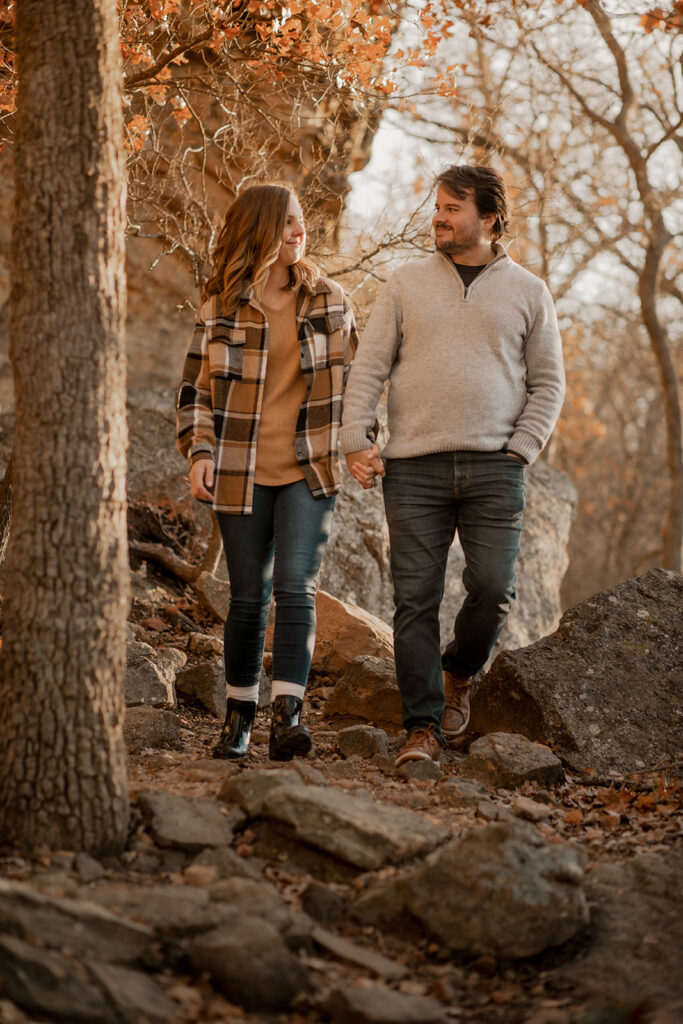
[283, 688]
[242, 692]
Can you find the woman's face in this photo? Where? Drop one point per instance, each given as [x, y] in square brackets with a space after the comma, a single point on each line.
[293, 235]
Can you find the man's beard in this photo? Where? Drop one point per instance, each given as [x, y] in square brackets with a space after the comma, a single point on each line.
[454, 245]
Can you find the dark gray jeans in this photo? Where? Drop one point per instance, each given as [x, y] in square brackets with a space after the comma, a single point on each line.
[428, 498]
[278, 547]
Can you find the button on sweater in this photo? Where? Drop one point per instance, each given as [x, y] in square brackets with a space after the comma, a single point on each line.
[475, 369]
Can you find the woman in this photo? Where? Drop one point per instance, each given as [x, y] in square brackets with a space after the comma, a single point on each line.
[258, 419]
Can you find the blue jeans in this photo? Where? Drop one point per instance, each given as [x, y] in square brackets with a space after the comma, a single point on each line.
[428, 498]
[275, 550]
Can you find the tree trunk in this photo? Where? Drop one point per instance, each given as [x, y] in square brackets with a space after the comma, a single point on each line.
[647, 290]
[63, 770]
[5, 511]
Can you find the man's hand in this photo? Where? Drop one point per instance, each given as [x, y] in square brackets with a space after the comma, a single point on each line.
[201, 479]
[365, 466]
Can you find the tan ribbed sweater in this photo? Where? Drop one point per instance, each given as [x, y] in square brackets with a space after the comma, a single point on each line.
[469, 369]
[284, 391]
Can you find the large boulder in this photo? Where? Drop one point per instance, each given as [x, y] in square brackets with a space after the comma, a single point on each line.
[153, 458]
[344, 632]
[634, 957]
[366, 692]
[157, 473]
[500, 891]
[606, 689]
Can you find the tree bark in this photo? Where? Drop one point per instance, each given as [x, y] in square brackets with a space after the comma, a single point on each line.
[63, 771]
[647, 291]
[5, 511]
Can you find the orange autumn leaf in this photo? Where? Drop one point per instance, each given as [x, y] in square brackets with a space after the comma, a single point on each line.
[667, 809]
[159, 93]
[647, 800]
[609, 819]
[137, 124]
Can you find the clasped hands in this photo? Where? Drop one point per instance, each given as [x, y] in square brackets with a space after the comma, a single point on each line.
[365, 466]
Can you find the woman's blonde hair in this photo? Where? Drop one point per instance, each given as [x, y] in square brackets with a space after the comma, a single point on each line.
[249, 242]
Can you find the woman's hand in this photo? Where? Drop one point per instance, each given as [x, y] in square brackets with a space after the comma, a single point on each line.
[365, 466]
[201, 479]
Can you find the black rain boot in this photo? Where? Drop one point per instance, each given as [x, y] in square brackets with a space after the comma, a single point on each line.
[288, 736]
[239, 718]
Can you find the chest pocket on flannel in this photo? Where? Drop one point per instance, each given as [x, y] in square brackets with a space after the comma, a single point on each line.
[328, 339]
[226, 350]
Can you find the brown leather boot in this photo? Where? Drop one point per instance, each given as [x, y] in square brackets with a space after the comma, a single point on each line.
[423, 744]
[456, 713]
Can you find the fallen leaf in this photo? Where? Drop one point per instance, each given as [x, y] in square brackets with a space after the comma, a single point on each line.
[155, 623]
[667, 808]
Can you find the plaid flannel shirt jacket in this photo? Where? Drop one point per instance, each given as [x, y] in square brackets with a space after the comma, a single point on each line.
[220, 398]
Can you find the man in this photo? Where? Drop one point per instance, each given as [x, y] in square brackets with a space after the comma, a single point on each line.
[469, 343]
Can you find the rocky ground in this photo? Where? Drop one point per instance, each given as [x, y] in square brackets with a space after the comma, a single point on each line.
[506, 886]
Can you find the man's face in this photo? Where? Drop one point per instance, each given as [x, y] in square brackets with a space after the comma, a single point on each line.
[458, 228]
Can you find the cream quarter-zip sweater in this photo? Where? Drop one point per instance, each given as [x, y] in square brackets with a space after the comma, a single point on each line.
[475, 369]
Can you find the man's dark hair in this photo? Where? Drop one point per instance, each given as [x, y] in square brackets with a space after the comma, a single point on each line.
[485, 186]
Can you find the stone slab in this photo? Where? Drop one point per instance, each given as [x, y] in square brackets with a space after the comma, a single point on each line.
[70, 925]
[187, 822]
[362, 832]
[382, 1006]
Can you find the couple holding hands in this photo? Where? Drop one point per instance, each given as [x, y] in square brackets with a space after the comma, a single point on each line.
[276, 381]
